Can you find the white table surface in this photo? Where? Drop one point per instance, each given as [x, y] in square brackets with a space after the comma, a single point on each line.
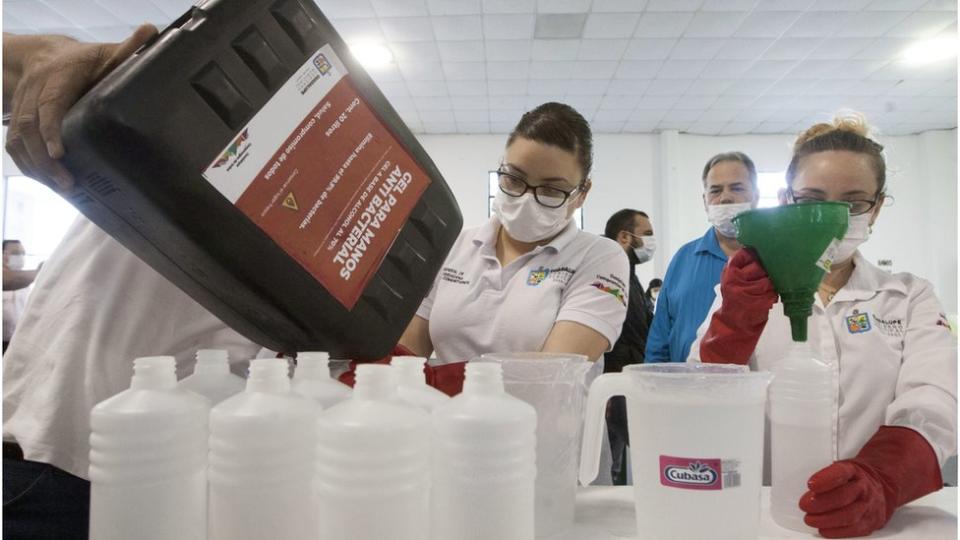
[606, 512]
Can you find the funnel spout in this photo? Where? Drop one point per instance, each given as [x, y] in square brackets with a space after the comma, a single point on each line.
[798, 306]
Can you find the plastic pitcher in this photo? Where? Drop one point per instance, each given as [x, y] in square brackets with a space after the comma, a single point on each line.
[696, 433]
[555, 384]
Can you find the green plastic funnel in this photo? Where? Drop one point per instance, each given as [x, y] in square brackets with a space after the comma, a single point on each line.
[792, 242]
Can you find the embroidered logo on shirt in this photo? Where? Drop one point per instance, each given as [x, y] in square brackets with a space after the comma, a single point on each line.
[537, 276]
[889, 327]
[615, 292]
[858, 323]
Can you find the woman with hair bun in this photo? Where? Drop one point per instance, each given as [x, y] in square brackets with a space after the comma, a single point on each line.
[884, 335]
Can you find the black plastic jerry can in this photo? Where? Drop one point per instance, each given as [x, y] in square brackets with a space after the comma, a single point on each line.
[249, 159]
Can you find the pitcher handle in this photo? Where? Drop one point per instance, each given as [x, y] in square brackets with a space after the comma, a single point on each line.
[603, 388]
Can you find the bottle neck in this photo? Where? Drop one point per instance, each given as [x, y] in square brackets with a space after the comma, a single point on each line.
[312, 369]
[482, 378]
[211, 367]
[154, 373]
[268, 375]
[375, 382]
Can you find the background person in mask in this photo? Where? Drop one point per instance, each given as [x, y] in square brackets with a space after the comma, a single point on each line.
[729, 187]
[633, 231]
[16, 281]
[884, 335]
[653, 290]
[528, 279]
[14, 276]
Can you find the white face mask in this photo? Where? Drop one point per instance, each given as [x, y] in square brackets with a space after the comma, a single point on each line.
[721, 217]
[858, 231]
[15, 262]
[654, 294]
[645, 252]
[526, 220]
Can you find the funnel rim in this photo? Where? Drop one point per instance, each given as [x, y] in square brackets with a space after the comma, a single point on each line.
[780, 207]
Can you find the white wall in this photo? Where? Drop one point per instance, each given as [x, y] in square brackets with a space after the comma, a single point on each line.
[660, 174]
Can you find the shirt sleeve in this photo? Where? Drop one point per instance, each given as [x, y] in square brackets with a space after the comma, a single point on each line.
[926, 391]
[596, 296]
[658, 340]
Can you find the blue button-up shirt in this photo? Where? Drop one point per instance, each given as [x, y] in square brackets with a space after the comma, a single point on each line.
[685, 298]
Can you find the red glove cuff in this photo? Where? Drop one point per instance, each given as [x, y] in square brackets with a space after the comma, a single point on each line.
[735, 328]
[447, 378]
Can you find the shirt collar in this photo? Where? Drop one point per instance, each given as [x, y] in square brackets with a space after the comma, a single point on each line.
[486, 237]
[708, 243]
[867, 280]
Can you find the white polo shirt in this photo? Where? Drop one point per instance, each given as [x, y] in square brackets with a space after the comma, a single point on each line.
[476, 306]
[893, 357]
[93, 309]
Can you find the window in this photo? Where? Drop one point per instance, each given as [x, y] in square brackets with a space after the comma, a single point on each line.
[770, 184]
[36, 216]
[494, 187]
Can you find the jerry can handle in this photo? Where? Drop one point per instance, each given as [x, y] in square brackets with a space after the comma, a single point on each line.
[603, 388]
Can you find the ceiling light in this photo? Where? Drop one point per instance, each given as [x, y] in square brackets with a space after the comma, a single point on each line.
[930, 50]
[371, 54]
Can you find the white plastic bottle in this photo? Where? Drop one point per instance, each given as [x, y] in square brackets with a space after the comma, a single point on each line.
[312, 380]
[262, 445]
[801, 430]
[211, 376]
[148, 459]
[373, 471]
[484, 463]
[412, 384]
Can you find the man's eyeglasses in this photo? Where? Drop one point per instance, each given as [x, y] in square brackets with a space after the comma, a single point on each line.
[545, 195]
[857, 207]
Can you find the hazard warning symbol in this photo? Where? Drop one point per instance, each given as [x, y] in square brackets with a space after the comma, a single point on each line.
[290, 202]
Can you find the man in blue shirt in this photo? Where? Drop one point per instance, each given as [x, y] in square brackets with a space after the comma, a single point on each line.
[729, 188]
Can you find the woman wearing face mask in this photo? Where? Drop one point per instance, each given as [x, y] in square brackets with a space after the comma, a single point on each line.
[884, 335]
[528, 279]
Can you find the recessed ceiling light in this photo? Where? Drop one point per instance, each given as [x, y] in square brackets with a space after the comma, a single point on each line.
[371, 54]
[930, 50]
[559, 25]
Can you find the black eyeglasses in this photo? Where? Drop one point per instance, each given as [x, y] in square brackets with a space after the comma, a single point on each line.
[857, 207]
[545, 195]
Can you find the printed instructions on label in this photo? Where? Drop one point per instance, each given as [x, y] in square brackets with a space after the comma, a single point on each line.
[322, 176]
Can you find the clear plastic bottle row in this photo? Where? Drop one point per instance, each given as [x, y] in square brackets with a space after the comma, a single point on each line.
[309, 459]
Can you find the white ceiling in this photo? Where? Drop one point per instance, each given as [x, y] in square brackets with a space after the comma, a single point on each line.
[700, 66]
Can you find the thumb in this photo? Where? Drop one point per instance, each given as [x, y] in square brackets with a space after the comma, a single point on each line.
[831, 477]
[123, 50]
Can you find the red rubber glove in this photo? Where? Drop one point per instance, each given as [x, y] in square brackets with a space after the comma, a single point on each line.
[447, 378]
[735, 328]
[855, 497]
